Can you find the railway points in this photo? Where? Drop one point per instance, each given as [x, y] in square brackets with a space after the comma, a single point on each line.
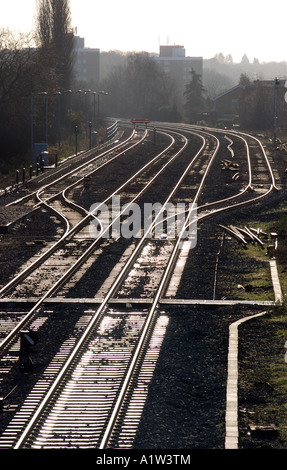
[110, 344]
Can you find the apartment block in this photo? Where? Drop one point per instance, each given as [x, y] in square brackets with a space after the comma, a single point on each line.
[87, 63]
[173, 61]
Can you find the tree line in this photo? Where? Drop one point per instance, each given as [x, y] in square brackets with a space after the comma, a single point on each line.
[31, 64]
[35, 68]
[135, 85]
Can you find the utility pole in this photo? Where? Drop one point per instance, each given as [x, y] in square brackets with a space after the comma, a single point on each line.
[276, 84]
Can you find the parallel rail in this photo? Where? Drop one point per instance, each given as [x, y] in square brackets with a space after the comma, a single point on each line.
[81, 259]
[118, 383]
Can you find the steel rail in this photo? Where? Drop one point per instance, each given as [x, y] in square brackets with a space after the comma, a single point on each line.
[164, 279]
[249, 185]
[106, 147]
[237, 133]
[100, 310]
[68, 232]
[249, 201]
[87, 253]
[155, 303]
[252, 137]
[152, 311]
[97, 157]
[235, 196]
[91, 172]
[157, 297]
[70, 203]
[160, 290]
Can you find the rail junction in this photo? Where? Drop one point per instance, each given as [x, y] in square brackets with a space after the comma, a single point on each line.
[86, 310]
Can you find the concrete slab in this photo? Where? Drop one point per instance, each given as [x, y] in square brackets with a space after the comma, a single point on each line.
[231, 414]
[275, 280]
[170, 302]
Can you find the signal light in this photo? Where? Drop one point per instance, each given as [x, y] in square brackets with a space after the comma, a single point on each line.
[28, 339]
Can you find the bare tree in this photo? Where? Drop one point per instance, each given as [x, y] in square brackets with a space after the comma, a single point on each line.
[18, 76]
[56, 38]
[16, 63]
[23, 72]
[216, 83]
[139, 88]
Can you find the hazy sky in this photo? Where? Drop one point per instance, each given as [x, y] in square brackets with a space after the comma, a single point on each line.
[251, 27]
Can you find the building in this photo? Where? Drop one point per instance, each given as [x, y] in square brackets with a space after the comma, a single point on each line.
[254, 106]
[226, 105]
[87, 63]
[173, 61]
[263, 104]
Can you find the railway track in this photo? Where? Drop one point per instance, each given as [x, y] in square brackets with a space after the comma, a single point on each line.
[93, 392]
[75, 217]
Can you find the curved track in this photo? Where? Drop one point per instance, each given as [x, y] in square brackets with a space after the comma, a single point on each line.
[93, 392]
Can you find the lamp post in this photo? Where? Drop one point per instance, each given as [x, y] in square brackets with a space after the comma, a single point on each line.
[58, 94]
[59, 119]
[100, 93]
[86, 111]
[76, 134]
[43, 93]
[94, 114]
[79, 111]
[69, 93]
[94, 93]
[32, 127]
[90, 134]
